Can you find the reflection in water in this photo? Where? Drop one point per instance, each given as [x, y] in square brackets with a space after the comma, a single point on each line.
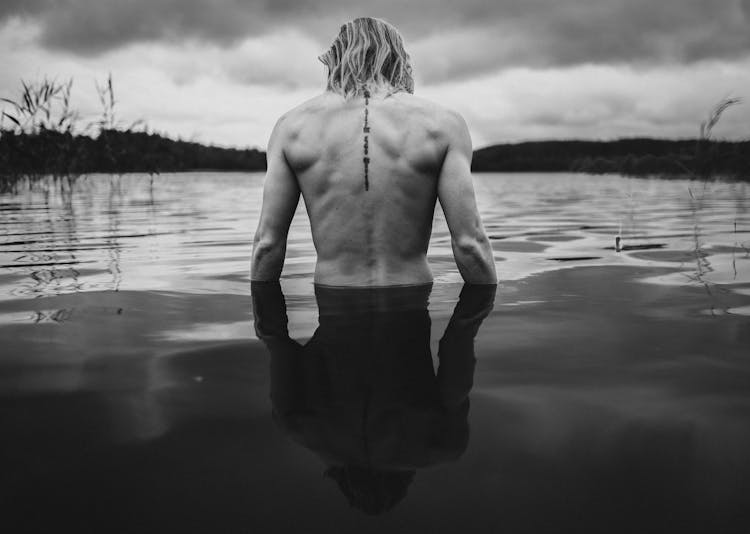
[134, 397]
[362, 392]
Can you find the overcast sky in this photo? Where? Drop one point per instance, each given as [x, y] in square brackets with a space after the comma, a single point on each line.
[222, 71]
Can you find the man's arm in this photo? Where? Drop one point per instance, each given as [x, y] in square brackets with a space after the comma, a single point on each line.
[287, 373]
[455, 375]
[471, 248]
[280, 197]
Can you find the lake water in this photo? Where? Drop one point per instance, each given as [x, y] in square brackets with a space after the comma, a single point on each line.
[607, 391]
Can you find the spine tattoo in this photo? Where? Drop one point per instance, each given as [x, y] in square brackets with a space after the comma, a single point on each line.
[366, 131]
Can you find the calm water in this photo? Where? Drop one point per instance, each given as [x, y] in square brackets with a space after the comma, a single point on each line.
[604, 391]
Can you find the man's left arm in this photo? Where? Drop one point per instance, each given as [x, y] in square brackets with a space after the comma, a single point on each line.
[280, 198]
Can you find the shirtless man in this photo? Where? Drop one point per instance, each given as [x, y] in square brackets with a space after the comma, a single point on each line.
[370, 160]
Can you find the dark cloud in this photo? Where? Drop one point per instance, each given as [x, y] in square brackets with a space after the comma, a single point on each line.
[9, 8]
[93, 26]
[566, 33]
[480, 35]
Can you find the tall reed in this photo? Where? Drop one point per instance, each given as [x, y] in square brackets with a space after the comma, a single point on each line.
[41, 134]
[706, 152]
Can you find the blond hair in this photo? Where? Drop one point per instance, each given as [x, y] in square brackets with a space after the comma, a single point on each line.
[367, 52]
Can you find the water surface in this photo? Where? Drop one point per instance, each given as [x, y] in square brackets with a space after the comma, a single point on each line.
[611, 389]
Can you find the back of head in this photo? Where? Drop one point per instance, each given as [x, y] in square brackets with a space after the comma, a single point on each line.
[373, 491]
[368, 52]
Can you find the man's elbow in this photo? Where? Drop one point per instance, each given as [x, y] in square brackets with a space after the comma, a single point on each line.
[475, 260]
[473, 248]
[264, 244]
[470, 245]
[268, 258]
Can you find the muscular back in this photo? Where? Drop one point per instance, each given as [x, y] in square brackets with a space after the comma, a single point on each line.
[418, 153]
[379, 234]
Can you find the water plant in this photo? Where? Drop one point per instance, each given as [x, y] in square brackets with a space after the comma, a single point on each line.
[714, 116]
[41, 134]
[707, 156]
[41, 106]
[36, 131]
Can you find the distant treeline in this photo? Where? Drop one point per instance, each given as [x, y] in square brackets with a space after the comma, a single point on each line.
[638, 156]
[120, 151]
[116, 151]
[42, 134]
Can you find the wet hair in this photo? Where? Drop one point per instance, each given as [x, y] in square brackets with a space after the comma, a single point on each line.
[373, 491]
[367, 52]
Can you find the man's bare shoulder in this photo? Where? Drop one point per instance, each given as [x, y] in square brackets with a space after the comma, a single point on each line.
[440, 120]
[304, 115]
[329, 101]
[419, 103]
[316, 105]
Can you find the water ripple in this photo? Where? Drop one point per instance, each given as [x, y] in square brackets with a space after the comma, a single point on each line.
[192, 232]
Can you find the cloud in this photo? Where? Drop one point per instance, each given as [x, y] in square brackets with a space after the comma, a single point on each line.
[224, 70]
[450, 39]
[597, 102]
[569, 33]
[202, 92]
[282, 60]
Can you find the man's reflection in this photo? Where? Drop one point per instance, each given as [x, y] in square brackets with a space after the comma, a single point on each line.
[362, 392]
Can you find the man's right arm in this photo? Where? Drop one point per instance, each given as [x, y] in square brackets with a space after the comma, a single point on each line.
[471, 248]
[280, 198]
